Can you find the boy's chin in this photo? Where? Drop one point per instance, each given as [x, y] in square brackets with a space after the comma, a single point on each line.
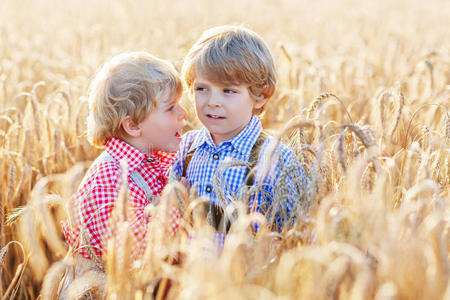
[168, 148]
[172, 148]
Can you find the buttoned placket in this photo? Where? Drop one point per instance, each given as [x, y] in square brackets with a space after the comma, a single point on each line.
[215, 162]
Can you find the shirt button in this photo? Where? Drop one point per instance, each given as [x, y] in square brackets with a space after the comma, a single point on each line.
[150, 159]
[216, 156]
[208, 189]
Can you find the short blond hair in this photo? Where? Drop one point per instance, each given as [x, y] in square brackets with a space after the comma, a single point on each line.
[232, 55]
[128, 84]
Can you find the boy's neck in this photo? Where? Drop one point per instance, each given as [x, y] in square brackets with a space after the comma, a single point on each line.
[138, 144]
[219, 139]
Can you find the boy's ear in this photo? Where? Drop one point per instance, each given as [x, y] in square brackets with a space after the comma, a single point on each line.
[261, 94]
[130, 127]
[260, 103]
[267, 91]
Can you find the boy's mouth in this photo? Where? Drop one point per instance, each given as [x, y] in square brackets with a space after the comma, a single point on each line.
[177, 134]
[216, 117]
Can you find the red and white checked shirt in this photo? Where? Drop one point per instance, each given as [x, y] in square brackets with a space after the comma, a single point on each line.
[96, 197]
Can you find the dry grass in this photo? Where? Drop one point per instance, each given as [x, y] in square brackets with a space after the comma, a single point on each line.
[367, 90]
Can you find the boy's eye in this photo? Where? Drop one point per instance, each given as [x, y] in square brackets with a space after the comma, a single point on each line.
[229, 91]
[200, 89]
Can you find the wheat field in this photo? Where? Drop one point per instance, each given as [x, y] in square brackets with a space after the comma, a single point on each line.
[363, 99]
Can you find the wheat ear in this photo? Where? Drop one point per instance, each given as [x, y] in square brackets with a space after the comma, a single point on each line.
[321, 98]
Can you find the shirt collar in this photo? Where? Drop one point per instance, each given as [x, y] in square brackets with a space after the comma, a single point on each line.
[242, 142]
[119, 150]
[245, 140]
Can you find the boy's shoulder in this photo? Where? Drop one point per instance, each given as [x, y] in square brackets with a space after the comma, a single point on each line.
[271, 144]
[191, 134]
[277, 156]
[189, 138]
[102, 173]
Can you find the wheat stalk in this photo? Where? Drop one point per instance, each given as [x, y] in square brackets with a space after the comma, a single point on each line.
[447, 127]
[218, 179]
[52, 279]
[85, 240]
[13, 286]
[408, 130]
[430, 69]
[341, 150]
[400, 108]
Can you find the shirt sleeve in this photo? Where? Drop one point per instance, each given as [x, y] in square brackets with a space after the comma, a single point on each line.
[290, 183]
[96, 208]
[95, 212]
[283, 185]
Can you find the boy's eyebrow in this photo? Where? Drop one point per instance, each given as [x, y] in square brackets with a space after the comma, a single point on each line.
[196, 82]
[166, 103]
[170, 102]
[220, 84]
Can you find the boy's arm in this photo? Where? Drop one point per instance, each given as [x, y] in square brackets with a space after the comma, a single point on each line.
[284, 181]
[139, 218]
[95, 211]
[97, 203]
[101, 221]
[290, 182]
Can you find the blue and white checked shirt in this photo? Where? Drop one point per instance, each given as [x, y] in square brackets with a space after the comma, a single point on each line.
[208, 157]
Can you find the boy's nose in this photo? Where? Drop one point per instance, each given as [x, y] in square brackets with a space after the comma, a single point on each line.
[183, 112]
[214, 102]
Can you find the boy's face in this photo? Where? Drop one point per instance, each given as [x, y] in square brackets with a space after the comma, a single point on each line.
[223, 109]
[160, 130]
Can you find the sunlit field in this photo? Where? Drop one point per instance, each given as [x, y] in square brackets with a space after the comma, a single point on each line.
[363, 99]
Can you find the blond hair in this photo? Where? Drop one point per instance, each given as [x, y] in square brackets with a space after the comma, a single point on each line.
[129, 84]
[232, 55]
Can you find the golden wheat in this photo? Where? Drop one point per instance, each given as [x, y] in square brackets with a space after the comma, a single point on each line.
[366, 90]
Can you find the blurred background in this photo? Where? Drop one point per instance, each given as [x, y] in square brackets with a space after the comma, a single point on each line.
[387, 62]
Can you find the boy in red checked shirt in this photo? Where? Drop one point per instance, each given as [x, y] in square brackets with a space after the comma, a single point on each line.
[136, 116]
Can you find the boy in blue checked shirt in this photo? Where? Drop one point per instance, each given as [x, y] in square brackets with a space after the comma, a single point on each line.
[230, 73]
